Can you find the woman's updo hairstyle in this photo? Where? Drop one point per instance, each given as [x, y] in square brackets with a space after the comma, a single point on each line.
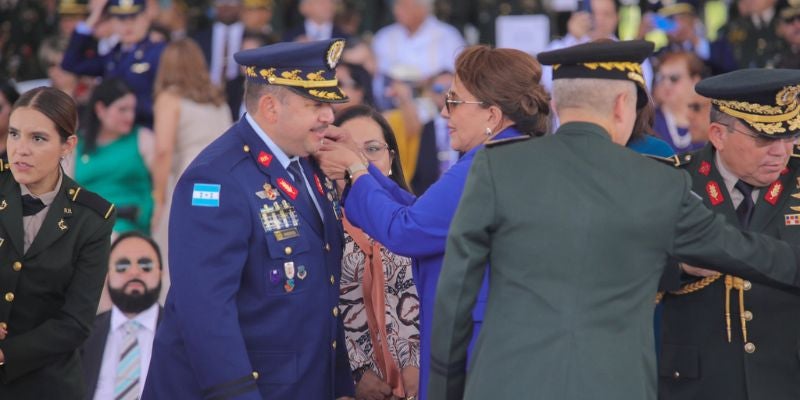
[508, 79]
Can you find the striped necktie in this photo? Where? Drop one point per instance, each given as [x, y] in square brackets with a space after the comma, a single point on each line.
[126, 385]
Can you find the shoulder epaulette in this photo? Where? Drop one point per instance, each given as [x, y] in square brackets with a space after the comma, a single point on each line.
[796, 151]
[513, 139]
[675, 161]
[91, 200]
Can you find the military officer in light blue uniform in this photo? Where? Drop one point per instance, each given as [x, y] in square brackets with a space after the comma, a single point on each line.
[134, 59]
[255, 247]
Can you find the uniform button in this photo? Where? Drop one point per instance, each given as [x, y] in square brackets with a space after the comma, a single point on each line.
[17, 266]
[255, 375]
[335, 311]
[327, 247]
[749, 348]
[676, 374]
[747, 285]
[333, 344]
[288, 250]
[748, 316]
[9, 297]
[246, 148]
[333, 280]
[71, 192]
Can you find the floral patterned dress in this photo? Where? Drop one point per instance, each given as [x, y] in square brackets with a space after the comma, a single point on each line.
[402, 310]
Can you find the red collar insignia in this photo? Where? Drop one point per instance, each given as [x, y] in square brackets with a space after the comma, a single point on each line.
[287, 188]
[705, 168]
[264, 158]
[712, 188]
[785, 171]
[319, 185]
[773, 192]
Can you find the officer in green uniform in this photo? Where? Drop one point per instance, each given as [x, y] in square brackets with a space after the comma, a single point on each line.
[725, 337]
[54, 244]
[753, 37]
[577, 230]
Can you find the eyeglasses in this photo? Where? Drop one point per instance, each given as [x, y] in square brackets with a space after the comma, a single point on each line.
[146, 264]
[762, 141]
[791, 19]
[372, 150]
[450, 103]
[695, 107]
[672, 78]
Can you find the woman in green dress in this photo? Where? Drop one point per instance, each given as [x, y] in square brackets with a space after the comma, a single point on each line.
[113, 155]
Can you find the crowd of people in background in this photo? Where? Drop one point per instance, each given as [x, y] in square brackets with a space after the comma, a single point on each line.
[155, 82]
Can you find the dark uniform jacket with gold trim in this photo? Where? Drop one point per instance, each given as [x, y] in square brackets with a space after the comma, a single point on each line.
[577, 231]
[137, 67]
[50, 293]
[753, 47]
[252, 311]
[697, 361]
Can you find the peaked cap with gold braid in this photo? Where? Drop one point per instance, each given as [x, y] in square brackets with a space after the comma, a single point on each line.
[602, 60]
[125, 8]
[309, 68]
[765, 100]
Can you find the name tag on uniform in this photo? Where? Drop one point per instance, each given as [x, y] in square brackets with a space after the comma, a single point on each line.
[205, 195]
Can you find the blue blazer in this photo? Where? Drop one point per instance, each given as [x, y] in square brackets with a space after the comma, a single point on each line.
[137, 67]
[417, 228]
[252, 312]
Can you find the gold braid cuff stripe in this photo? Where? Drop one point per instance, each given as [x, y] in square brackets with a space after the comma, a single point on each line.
[292, 78]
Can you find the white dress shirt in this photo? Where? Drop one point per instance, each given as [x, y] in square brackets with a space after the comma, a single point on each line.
[315, 31]
[116, 334]
[730, 182]
[225, 37]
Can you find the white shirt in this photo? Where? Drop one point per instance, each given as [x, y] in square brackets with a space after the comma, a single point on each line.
[431, 49]
[316, 31]
[282, 157]
[116, 335]
[225, 37]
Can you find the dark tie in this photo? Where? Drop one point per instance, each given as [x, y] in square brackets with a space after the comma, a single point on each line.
[302, 189]
[745, 210]
[31, 205]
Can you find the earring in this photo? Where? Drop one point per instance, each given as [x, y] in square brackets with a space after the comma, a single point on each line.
[390, 172]
[488, 132]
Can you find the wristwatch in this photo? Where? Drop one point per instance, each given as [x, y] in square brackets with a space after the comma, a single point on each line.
[353, 169]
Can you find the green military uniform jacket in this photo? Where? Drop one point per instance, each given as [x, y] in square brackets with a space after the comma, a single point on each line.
[49, 294]
[697, 360]
[754, 47]
[577, 231]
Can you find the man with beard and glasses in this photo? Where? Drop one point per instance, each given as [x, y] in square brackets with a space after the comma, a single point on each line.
[117, 354]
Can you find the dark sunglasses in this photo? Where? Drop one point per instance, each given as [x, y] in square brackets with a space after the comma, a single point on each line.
[792, 19]
[146, 264]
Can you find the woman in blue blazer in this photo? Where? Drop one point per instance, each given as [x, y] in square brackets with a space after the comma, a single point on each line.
[495, 98]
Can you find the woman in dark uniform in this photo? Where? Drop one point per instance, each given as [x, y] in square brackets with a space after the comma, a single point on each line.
[54, 244]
